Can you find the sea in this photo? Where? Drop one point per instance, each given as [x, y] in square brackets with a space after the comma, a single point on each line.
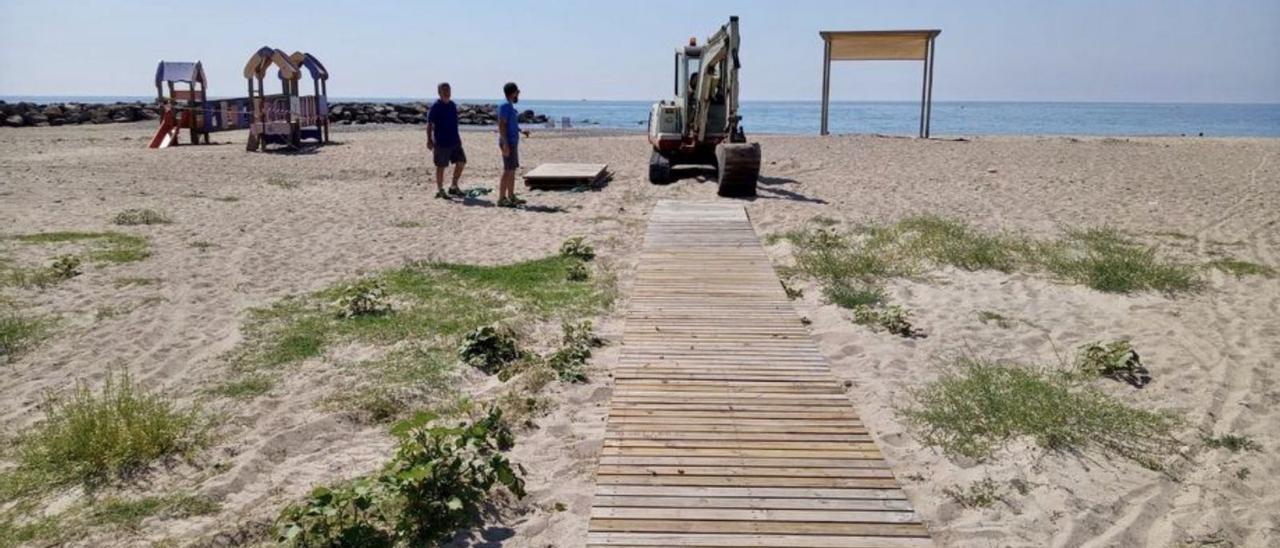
[950, 118]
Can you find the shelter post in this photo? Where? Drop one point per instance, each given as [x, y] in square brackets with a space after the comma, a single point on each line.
[826, 81]
[928, 112]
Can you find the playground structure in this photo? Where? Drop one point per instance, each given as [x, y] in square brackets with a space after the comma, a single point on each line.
[286, 118]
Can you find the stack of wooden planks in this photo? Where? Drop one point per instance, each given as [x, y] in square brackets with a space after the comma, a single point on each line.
[566, 176]
[727, 427]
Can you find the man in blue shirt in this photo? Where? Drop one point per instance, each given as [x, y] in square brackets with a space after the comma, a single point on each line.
[509, 143]
[444, 141]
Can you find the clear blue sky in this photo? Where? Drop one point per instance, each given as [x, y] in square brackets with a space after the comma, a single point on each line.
[1085, 50]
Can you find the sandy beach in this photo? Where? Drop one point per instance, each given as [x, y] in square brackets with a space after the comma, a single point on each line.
[249, 229]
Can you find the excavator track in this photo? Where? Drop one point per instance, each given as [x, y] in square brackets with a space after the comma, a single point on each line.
[738, 168]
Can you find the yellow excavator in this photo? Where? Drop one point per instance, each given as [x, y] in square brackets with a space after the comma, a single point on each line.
[702, 125]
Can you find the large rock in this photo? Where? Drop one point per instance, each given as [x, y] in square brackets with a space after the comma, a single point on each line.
[15, 120]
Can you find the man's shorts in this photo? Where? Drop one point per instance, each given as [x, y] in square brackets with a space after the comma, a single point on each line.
[511, 161]
[444, 156]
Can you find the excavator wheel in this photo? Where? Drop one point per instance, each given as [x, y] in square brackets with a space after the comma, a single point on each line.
[738, 166]
[659, 169]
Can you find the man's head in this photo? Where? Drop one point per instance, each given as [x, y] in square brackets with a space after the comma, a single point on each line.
[512, 92]
[444, 91]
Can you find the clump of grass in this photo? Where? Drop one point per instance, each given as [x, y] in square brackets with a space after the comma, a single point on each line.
[1241, 269]
[1232, 442]
[979, 494]
[1106, 260]
[407, 224]
[141, 216]
[107, 247]
[202, 245]
[228, 199]
[831, 257]
[107, 311]
[134, 281]
[988, 316]
[65, 267]
[950, 242]
[249, 386]
[115, 431]
[1101, 258]
[281, 182]
[853, 294]
[978, 406]
[129, 513]
[893, 319]
[20, 332]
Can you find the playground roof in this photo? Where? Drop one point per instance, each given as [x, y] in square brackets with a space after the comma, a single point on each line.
[265, 57]
[879, 45]
[313, 65]
[182, 71]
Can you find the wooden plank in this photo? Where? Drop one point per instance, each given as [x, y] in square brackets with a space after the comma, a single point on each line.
[726, 426]
[759, 527]
[736, 540]
[606, 501]
[757, 514]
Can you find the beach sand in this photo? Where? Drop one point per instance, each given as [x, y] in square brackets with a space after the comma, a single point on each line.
[1213, 354]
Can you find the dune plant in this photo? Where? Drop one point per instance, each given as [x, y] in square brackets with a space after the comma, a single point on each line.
[578, 248]
[436, 483]
[893, 319]
[489, 349]
[366, 297]
[140, 216]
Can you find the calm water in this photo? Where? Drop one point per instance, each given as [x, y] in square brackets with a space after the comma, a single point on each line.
[949, 118]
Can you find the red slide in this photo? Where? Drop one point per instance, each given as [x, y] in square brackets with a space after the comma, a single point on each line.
[166, 133]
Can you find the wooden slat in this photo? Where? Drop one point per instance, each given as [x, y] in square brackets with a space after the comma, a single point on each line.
[727, 427]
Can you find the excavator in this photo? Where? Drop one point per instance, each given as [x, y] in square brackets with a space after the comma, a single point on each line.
[702, 125]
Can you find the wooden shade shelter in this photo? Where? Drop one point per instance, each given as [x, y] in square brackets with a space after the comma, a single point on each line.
[881, 45]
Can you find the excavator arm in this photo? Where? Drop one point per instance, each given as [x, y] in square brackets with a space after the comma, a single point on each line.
[721, 46]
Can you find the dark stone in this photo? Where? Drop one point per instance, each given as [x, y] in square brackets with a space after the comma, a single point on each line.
[14, 120]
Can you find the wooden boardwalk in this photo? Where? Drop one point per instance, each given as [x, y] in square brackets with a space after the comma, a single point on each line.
[727, 427]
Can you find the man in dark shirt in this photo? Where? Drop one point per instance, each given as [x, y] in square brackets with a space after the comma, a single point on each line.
[444, 141]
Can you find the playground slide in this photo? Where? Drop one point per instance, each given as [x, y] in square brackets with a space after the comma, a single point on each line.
[164, 135]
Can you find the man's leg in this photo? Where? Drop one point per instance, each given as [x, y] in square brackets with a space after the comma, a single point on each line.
[439, 178]
[457, 172]
[508, 183]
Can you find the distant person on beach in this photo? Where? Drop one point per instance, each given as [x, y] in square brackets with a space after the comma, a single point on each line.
[509, 143]
[444, 142]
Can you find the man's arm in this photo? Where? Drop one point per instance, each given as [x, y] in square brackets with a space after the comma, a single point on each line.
[431, 139]
[502, 136]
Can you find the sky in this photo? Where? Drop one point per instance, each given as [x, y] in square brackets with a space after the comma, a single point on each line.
[1034, 50]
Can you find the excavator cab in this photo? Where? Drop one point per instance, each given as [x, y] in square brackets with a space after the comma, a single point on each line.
[701, 125]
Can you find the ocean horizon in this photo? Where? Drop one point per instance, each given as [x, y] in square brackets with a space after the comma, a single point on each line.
[950, 118]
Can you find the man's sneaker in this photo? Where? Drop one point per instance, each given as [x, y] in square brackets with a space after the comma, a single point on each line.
[441, 194]
[455, 191]
[517, 200]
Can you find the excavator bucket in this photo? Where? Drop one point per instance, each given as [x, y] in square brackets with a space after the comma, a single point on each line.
[738, 167]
